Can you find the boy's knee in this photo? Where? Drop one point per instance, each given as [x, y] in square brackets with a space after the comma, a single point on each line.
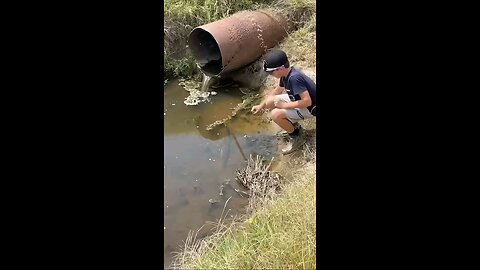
[277, 114]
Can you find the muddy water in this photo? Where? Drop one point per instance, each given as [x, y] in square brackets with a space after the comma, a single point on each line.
[198, 162]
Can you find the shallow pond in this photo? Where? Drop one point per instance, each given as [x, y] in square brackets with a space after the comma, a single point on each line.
[198, 162]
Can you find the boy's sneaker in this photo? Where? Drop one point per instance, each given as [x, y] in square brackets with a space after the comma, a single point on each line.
[283, 133]
[295, 142]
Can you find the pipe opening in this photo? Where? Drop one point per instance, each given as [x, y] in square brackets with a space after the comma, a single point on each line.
[206, 51]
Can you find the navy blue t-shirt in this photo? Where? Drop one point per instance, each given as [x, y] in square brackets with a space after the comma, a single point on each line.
[296, 82]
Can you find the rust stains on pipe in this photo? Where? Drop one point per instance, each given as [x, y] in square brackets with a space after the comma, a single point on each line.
[236, 41]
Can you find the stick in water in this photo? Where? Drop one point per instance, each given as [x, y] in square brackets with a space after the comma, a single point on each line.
[236, 142]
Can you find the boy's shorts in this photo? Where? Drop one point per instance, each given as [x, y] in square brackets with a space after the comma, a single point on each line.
[297, 114]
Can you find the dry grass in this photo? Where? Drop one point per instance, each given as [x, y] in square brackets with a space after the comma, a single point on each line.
[262, 183]
[301, 45]
[297, 12]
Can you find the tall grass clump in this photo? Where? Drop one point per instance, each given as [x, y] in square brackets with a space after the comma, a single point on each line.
[297, 12]
[185, 67]
[278, 235]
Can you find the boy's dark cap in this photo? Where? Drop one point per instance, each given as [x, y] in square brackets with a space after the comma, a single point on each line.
[274, 59]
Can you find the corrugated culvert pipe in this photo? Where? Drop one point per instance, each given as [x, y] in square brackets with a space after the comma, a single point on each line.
[236, 41]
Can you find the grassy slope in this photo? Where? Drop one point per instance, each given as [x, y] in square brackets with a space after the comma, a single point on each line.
[301, 45]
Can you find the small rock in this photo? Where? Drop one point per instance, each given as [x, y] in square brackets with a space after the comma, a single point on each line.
[221, 190]
[212, 201]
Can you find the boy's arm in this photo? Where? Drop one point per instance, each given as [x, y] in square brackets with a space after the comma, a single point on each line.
[304, 102]
[277, 91]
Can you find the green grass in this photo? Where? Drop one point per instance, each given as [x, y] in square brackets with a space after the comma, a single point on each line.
[185, 67]
[279, 235]
[204, 11]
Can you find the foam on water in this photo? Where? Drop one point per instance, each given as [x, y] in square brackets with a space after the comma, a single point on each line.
[197, 95]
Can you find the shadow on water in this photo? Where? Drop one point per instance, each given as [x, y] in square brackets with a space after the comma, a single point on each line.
[198, 162]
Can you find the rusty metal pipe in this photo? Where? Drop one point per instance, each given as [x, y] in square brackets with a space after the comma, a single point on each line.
[236, 41]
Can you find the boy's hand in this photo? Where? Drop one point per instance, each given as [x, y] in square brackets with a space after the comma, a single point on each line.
[279, 104]
[256, 108]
